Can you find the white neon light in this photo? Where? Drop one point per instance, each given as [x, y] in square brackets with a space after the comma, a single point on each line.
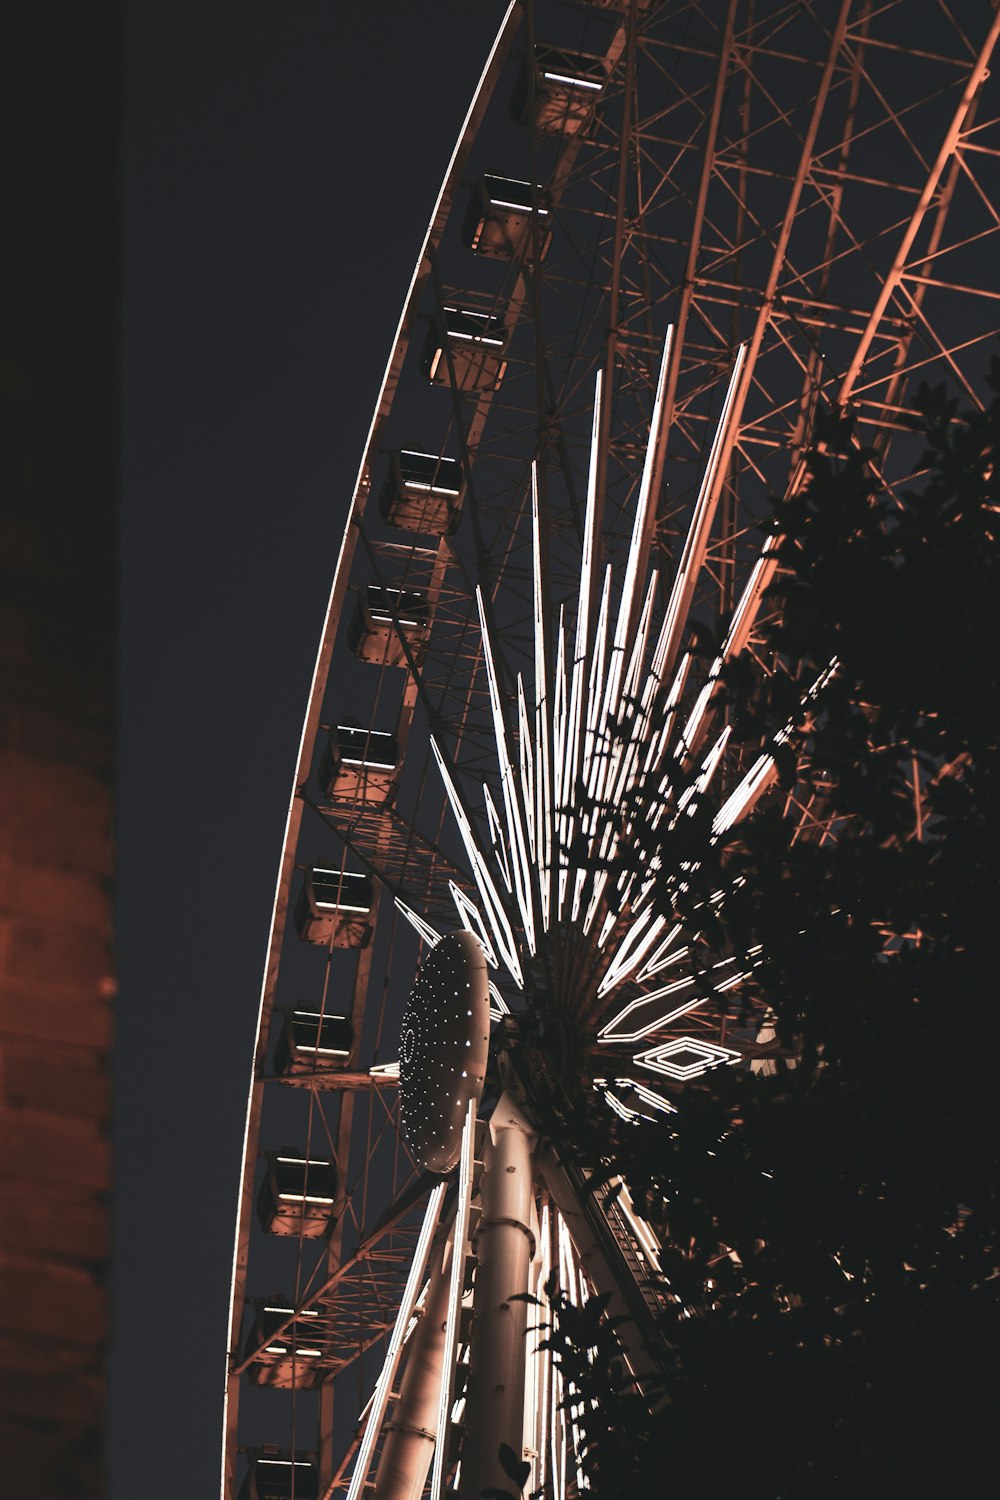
[424, 929]
[708, 1055]
[495, 914]
[515, 826]
[543, 731]
[383, 1388]
[526, 763]
[497, 837]
[610, 1033]
[633, 949]
[469, 913]
[575, 83]
[701, 520]
[456, 1283]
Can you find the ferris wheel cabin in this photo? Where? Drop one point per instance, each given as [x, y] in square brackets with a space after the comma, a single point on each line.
[422, 492]
[499, 220]
[298, 1195]
[568, 87]
[383, 619]
[469, 344]
[275, 1475]
[284, 1356]
[359, 765]
[311, 1041]
[333, 908]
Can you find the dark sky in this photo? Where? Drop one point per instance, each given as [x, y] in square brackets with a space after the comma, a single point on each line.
[280, 161]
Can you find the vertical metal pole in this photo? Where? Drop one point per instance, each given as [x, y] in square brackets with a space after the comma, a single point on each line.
[494, 1411]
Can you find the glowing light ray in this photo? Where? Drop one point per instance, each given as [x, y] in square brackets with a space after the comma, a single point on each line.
[647, 1095]
[498, 1005]
[498, 837]
[696, 541]
[632, 949]
[543, 727]
[626, 606]
[471, 916]
[417, 922]
[560, 728]
[591, 750]
[688, 801]
[661, 957]
[383, 1387]
[455, 1287]
[626, 753]
[600, 882]
[660, 741]
[526, 758]
[495, 914]
[763, 772]
[709, 1055]
[662, 1017]
[515, 826]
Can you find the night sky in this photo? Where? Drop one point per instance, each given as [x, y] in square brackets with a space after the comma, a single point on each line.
[280, 161]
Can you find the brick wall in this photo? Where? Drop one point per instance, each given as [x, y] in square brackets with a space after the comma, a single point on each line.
[58, 511]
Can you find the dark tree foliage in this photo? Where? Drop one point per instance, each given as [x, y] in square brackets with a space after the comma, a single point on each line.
[832, 1230]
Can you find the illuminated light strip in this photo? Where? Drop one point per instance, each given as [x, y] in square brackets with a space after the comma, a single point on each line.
[495, 914]
[592, 750]
[595, 899]
[661, 958]
[560, 730]
[578, 716]
[701, 522]
[455, 1288]
[526, 760]
[643, 1234]
[521, 208]
[383, 1387]
[746, 611]
[604, 1035]
[660, 741]
[591, 753]
[567, 1270]
[633, 949]
[498, 837]
[575, 83]
[630, 582]
[543, 728]
[622, 776]
[384, 1070]
[469, 912]
[425, 929]
[498, 1005]
[711, 1055]
[430, 489]
[745, 796]
[691, 796]
[515, 827]
[763, 771]
[543, 1364]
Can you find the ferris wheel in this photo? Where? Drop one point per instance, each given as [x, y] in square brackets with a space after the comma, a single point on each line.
[667, 233]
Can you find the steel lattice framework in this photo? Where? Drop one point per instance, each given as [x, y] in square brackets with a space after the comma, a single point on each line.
[718, 215]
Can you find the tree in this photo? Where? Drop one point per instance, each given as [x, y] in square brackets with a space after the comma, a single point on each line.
[832, 1230]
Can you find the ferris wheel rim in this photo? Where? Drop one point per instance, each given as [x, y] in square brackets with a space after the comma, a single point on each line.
[741, 622]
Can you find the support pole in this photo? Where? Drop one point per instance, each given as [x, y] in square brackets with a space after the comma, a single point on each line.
[504, 1247]
[408, 1446]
